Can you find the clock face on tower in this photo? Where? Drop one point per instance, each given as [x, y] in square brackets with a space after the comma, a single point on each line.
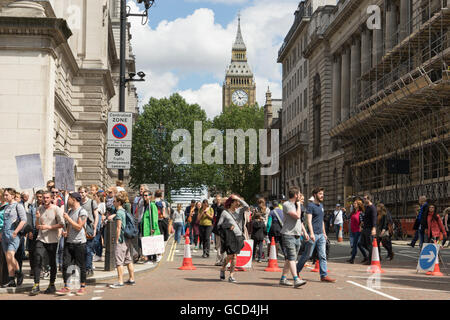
[239, 98]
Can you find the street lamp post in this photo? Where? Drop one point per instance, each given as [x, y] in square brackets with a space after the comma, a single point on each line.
[123, 29]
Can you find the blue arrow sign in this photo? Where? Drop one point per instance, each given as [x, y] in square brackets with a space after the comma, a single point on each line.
[428, 256]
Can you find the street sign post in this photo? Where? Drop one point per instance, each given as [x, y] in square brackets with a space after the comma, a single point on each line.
[120, 135]
[428, 257]
[120, 129]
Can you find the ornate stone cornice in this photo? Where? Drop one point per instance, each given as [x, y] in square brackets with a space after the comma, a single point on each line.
[55, 28]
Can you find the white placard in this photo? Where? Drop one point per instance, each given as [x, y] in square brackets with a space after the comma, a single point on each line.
[152, 245]
[118, 158]
[64, 175]
[120, 129]
[29, 170]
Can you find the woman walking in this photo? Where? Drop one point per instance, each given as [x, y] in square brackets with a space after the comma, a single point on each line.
[178, 222]
[355, 230]
[436, 230]
[204, 219]
[231, 231]
[258, 235]
[383, 235]
[195, 225]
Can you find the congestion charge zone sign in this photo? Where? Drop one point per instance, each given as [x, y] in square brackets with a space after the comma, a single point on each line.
[120, 125]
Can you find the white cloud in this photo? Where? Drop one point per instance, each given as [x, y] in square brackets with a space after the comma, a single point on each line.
[209, 97]
[196, 44]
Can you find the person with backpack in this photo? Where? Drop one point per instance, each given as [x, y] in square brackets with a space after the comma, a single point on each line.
[91, 227]
[14, 219]
[231, 226]
[275, 224]
[163, 216]
[258, 232]
[124, 232]
[74, 244]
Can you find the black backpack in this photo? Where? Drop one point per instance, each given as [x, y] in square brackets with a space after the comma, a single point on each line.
[130, 231]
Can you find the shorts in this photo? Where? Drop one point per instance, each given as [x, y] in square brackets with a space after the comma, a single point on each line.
[8, 243]
[291, 246]
[122, 253]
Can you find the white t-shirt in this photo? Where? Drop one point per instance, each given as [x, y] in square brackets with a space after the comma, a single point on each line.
[338, 217]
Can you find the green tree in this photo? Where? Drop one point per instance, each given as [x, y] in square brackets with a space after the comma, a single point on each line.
[151, 154]
[243, 179]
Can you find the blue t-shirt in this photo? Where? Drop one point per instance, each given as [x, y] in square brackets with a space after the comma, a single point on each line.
[316, 210]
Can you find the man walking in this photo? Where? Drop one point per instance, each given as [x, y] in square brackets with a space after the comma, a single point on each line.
[49, 219]
[90, 227]
[14, 219]
[369, 227]
[338, 220]
[290, 233]
[317, 237]
[422, 222]
[75, 244]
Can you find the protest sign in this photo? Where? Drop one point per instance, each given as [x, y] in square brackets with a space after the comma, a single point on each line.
[152, 245]
[29, 170]
[64, 175]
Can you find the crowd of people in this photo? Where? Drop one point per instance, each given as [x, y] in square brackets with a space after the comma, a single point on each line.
[61, 229]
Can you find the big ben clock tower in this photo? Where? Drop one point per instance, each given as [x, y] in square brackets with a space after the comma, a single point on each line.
[239, 86]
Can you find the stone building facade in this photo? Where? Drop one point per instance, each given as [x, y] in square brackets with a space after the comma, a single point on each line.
[59, 74]
[378, 100]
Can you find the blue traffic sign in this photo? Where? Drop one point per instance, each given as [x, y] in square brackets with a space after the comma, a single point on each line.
[120, 131]
[428, 256]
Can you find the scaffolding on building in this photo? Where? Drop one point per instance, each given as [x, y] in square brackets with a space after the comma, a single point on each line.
[403, 112]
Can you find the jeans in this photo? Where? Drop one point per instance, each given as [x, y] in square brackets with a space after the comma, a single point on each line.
[321, 243]
[60, 251]
[89, 253]
[98, 244]
[387, 244]
[74, 253]
[178, 226]
[41, 250]
[420, 234]
[366, 241]
[357, 244]
[205, 235]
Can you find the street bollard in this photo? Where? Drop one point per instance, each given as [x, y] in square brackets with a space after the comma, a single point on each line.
[110, 238]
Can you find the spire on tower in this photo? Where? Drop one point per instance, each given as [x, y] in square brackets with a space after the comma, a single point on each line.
[239, 42]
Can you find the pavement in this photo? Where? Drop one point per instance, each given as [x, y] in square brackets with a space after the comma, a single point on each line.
[100, 275]
[165, 281]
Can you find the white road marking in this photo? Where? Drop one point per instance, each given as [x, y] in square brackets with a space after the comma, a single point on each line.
[101, 286]
[407, 255]
[99, 291]
[337, 258]
[374, 291]
[398, 279]
[96, 298]
[417, 289]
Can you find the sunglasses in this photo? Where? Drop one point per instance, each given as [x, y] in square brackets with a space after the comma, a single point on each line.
[55, 192]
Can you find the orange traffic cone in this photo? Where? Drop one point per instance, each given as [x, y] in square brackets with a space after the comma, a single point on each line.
[437, 271]
[375, 266]
[340, 238]
[317, 267]
[273, 262]
[187, 259]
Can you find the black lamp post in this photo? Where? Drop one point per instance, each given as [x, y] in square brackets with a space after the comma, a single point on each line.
[123, 30]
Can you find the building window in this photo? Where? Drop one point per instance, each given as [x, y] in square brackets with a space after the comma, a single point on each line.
[301, 101]
[305, 69]
[305, 125]
[301, 74]
[305, 98]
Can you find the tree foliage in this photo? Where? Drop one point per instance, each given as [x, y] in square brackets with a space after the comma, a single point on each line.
[151, 153]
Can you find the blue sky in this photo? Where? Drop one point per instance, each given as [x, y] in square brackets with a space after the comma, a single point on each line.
[186, 46]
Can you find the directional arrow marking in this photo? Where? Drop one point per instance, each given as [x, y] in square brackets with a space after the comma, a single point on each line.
[430, 257]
